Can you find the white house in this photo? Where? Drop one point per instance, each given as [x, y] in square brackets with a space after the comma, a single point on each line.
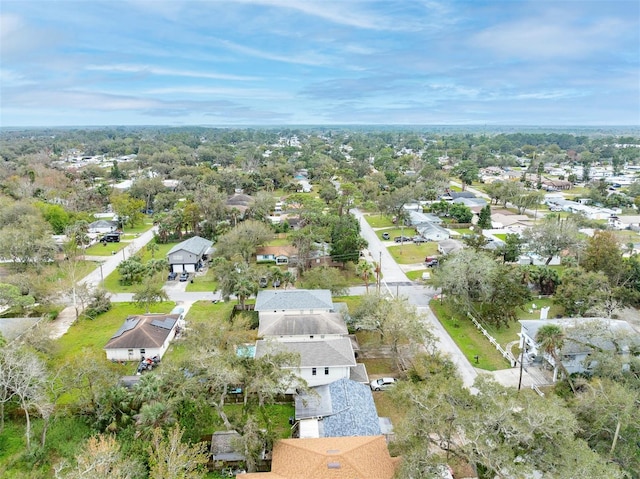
[583, 337]
[299, 300]
[432, 232]
[102, 226]
[189, 255]
[145, 335]
[322, 361]
[293, 326]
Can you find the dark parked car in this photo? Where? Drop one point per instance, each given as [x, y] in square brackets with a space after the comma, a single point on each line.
[184, 276]
[173, 275]
[430, 261]
[386, 236]
[420, 239]
[401, 239]
[263, 282]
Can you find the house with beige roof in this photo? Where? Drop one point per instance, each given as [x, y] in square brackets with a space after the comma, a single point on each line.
[276, 254]
[359, 457]
[145, 335]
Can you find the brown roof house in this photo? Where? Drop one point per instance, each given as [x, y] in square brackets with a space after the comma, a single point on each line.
[145, 335]
[276, 254]
[359, 457]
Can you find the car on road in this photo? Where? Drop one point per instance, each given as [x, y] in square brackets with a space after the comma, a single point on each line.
[173, 275]
[431, 261]
[420, 239]
[184, 276]
[382, 384]
[386, 236]
[402, 239]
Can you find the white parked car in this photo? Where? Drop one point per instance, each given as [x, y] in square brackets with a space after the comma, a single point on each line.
[382, 383]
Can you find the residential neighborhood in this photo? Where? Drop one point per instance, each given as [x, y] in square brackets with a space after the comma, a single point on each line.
[301, 321]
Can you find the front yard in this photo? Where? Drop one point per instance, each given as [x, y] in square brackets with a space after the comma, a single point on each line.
[411, 253]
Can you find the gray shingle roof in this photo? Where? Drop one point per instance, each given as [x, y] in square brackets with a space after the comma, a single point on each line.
[296, 324]
[346, 408]
[195, 245]
[295, 299]
[329, 352]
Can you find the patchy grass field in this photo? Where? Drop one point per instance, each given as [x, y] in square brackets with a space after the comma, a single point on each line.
[417, 274]
[469, 339]
[410, 253]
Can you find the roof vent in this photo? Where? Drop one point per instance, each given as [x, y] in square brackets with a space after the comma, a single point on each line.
[333, 451]
[333, 465]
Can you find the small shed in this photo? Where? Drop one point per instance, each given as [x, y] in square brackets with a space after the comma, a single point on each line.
[225, 448]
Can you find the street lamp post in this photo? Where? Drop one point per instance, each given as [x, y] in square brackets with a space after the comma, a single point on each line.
[101, 276]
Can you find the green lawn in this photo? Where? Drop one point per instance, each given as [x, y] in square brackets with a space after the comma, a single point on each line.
[501, 236]
[280, 240]
[203, 283]
[470, 340]
[407, 231]
[554, 312]
[352, 302]
[379, 221]
[87, 337]
[417, 275]
[140, 228]
[105, 249]
[410, 253]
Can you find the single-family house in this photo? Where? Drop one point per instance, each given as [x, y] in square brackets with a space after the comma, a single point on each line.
[276, 254]
[432, 232]
[299, 300]
[339, 409]
[294, 326]
[102, 226]
[583, 337]
[145, 335]
[417, 218]
[330, 458]
[474, 204]
[322, 361]
[239, 202]
[189, 255]
[555, 185]
[449, 246]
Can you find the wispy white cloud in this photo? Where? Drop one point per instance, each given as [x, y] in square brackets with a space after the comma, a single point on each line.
[154, 70]
[308, 58]
[548, 38]
[228, 92]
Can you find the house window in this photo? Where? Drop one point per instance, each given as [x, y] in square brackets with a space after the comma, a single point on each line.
[130, 352]
[143, 351]
[313, 371]
[326, 371]
[311, 337]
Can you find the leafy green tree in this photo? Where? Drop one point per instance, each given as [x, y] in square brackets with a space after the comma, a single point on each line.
[150, 292]
[461, 213]
[484, 218]
[128, 209]
[243, 240]
[581, 291]
[467, 171]
[603, 254]
[398, 323]
[511, 249]
[27, 250]
[346, 242]
[237, 279]
[364, 270]
[12, 297]
[551, 236]
[324, 277]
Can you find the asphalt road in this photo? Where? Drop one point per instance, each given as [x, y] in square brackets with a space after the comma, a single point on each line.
[395, 282]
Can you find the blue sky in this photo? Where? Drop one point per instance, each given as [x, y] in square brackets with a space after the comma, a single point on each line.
[268, 62]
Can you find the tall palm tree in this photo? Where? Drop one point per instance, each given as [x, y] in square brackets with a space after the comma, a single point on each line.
[364, 271]
[551, 339]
